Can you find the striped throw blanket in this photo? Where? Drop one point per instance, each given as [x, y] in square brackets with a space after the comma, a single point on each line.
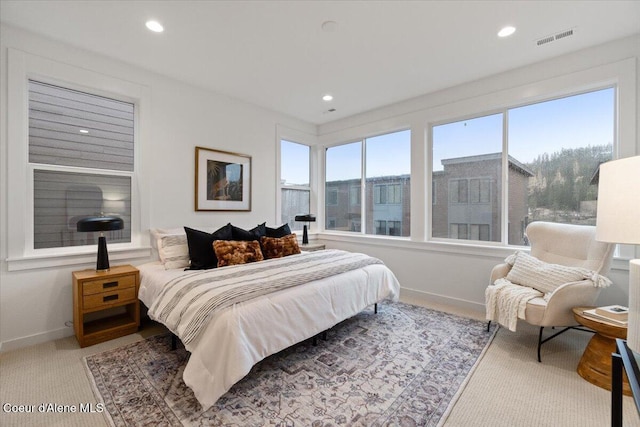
[187, 304]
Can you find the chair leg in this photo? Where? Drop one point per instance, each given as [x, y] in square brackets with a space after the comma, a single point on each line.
[540, 343]
[488, 325]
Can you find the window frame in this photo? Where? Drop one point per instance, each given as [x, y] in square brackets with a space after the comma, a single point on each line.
[504, 197]
[363, 188]
[23, 67]
[97, 172]
[302, 138]
[569, 74]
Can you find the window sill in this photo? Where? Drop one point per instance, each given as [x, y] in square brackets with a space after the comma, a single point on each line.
[58, 260]
[478, 249]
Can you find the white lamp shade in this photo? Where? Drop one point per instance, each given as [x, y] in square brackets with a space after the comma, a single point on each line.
[618, 221]
[633, 331]
[618, 218]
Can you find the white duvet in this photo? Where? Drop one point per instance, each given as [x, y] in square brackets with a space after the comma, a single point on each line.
[245, 333]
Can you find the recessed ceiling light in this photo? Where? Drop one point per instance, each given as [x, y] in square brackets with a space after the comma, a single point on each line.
[84, 131]
[506, 31]
[155, 26]
[327, 97]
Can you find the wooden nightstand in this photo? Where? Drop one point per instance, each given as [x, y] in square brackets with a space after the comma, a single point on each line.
[105, 304]
[310, 247]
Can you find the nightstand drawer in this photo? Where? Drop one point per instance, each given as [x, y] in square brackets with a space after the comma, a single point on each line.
[107, 299]
[108, 285]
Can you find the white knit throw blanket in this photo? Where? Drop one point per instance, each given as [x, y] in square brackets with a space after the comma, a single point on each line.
[506, 302]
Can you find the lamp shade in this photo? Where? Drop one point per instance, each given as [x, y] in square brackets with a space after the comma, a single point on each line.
[100, 223]
[618, 218]
[618, 222]
[306, 218]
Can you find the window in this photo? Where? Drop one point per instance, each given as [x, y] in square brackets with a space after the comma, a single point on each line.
[479, 232]
[81, 153]
[295, 190]
[458, 190]
[56, 173]
[553, 151]
[458, 231]
[479, 190]
[395, 228]
[332, 196]
[343, 173]
[463, 151]
[386, 179]
[355, 195]
[387, 194]
[561, 143]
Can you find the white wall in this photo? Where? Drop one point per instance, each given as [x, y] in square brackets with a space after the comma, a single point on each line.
[35, 304]
[457, 274]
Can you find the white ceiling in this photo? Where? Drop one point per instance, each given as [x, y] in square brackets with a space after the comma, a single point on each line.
[275, 54]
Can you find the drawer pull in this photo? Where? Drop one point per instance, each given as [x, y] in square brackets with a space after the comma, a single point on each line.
[109, 285]
[110, 298]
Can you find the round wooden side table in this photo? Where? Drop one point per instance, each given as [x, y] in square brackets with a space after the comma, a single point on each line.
[595, 364]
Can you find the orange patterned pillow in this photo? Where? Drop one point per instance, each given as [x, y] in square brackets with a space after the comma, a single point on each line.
[232, 252]
[278, 247]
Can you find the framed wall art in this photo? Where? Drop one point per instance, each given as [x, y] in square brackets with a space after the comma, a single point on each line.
[223, 181]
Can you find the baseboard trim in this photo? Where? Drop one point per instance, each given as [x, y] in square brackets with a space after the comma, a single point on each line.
[411, 296]
[35, 339]
[443, 303]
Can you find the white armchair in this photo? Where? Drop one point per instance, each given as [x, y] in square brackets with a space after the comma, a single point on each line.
[567, 245]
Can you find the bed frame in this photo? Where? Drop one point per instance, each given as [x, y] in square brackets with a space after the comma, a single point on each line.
[323, 334]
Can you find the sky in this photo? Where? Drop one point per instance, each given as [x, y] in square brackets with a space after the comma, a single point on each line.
[546, 127]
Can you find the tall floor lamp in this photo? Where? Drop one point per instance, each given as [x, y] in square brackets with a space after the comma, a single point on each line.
[618, 221]
[101, 224]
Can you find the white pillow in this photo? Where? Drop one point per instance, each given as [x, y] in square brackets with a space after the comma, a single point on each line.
[173, 250]
[530, 271]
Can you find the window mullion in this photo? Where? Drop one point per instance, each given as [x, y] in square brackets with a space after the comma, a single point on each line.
[363, 188]
[504, 232]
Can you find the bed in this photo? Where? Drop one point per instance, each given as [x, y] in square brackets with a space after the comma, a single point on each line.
[227, 343]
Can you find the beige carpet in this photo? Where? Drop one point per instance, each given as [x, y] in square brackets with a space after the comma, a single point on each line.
[508, 388]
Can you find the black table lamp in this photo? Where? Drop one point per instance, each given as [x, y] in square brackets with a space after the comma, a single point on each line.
[305, 218]
[101, 224]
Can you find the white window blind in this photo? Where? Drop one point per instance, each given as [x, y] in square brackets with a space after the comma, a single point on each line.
[72, 128]
[81, 147]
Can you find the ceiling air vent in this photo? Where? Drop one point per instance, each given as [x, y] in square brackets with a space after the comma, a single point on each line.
[555, 37]
[545, 40]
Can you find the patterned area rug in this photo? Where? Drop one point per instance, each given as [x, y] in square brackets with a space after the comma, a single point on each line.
[403, 366]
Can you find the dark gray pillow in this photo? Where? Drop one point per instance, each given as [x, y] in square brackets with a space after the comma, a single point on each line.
[281, 231]
[247, 235]
[200, 244]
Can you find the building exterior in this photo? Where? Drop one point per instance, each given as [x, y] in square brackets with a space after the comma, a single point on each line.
[466, 201]
[387, 205]
[467, 194]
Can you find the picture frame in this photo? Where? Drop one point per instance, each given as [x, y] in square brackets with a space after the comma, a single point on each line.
[222, 181]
